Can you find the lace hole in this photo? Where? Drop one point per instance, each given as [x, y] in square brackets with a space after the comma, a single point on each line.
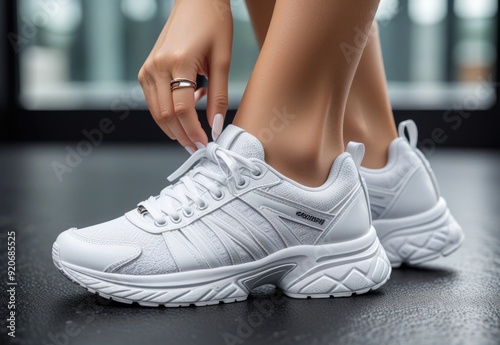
[161, 223]
[176, 220]
[258, 173]
[244, 184]
[203, 206]
[188, 214]
[219, 197]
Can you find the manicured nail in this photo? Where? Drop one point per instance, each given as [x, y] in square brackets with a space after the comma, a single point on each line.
[199, 145]
[189, 149]
[217, 126]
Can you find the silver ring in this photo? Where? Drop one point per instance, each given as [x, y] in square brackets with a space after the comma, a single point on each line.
[178, 83]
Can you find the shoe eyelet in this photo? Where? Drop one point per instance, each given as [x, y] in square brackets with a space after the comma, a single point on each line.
[258, 174]
[161, 224]
[176, 220]
[261, 171]
[188, 214]
[202, 207]
[218, 197]
[244, 184]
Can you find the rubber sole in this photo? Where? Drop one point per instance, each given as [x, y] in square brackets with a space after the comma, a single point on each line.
[321, 271]
[420, 238]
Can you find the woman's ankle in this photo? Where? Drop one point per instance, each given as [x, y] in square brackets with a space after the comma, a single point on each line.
[301, 154]
[375, 133]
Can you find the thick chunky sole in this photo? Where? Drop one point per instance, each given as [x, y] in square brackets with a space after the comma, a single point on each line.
[309, 271]
[420, 238]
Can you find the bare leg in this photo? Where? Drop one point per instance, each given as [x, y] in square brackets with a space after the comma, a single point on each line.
[261, 12]
[297, 74]
[368, 113]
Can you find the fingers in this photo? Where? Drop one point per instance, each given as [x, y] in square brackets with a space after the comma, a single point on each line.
[199, 94]
[206, 50]
[157, 113]
[174, 111]
[217, 93]
[183, 106]
[151, 95]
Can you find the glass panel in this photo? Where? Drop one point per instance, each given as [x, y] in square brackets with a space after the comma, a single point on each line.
[85, 54]
[439, 54]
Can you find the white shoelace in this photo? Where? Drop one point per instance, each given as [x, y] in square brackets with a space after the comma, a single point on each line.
[185, 194]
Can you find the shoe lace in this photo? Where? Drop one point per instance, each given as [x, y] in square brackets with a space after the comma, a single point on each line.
[217, 167]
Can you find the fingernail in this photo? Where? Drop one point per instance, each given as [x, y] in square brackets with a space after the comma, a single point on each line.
[217, 126]
[199, 145]
[189, 149]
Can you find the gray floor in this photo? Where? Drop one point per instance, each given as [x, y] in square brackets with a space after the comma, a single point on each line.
[453, 300]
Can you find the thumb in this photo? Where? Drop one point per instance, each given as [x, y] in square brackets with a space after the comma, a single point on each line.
[217, 101]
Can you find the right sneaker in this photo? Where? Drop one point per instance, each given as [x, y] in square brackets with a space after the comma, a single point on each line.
[229, 224]
[412, 220]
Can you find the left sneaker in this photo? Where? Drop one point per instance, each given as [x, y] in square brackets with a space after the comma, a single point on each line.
[230, 224]
[412, 219]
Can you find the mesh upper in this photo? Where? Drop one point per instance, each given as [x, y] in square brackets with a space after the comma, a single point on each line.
[343, 178]
[155, 257]
[232, 233]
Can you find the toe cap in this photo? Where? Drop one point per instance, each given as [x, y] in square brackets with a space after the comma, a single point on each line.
[99, 255]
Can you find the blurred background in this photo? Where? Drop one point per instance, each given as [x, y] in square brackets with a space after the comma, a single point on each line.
[67, 63]
[68, 66]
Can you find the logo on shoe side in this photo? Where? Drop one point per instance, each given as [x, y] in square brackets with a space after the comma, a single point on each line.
[313, 219]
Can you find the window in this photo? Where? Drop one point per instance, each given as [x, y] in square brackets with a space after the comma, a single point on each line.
[439, 56]
[83, 54]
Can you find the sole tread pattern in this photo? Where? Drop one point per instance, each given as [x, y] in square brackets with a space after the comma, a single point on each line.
[366, 275]
[332, 280]
[405, 247]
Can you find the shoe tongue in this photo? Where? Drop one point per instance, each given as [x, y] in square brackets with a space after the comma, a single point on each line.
[237, 140]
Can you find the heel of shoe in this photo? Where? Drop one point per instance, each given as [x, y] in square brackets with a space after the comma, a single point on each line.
[329, 275]
[421, 238]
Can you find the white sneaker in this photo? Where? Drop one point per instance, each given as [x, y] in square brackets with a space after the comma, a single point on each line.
[412, 220]
[230, 224]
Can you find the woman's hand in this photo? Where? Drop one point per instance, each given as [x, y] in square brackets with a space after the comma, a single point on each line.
[196, 39]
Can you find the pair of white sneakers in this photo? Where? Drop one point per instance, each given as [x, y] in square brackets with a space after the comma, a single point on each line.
[231, 223]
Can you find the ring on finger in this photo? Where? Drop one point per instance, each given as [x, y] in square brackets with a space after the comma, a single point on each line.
[179, 83]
